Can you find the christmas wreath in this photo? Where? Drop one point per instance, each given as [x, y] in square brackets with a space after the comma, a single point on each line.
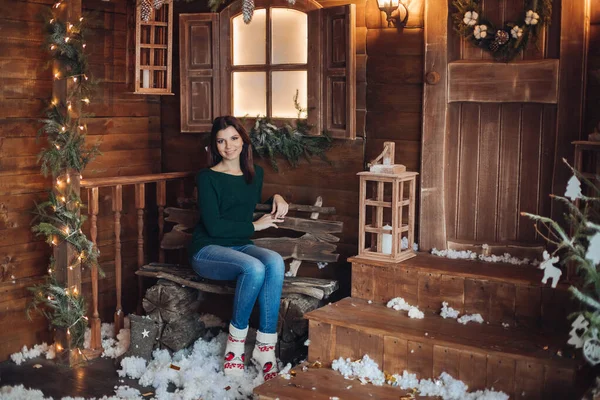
[507, 42]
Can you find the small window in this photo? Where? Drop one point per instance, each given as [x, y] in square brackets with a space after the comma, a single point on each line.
[266, 84]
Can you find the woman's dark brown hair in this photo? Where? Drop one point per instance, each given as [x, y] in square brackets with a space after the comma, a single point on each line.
[246, 161]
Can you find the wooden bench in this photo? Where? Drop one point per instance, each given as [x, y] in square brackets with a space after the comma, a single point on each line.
[315, 242]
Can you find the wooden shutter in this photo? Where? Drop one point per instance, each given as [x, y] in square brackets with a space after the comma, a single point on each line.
[332, 52]
[199, 71]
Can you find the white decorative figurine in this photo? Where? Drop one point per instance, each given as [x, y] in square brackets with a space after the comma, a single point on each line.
[550, 271]
[580, 327]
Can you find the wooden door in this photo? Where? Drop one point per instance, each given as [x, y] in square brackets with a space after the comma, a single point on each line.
[494, 133]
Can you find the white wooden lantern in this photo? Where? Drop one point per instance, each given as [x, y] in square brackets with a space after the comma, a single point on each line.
[387, 197]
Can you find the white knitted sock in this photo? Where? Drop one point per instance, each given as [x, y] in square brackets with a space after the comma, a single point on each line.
[264, 354]
[234, 351]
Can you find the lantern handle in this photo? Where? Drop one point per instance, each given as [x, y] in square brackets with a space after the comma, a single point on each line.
[388, 155]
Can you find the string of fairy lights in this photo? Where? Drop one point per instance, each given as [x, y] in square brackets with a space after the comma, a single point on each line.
[59, 218]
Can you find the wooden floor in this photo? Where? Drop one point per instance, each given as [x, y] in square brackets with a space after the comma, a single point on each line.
[95, 379]
[325, 384]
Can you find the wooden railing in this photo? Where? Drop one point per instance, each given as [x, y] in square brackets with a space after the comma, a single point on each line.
[116, 184]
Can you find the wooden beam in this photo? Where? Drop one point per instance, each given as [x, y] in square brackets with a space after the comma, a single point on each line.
[573, 51]
[523, 82]
[432, 219]
[64, 253]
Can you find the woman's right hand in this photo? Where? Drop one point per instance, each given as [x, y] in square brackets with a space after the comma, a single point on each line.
[266, 221]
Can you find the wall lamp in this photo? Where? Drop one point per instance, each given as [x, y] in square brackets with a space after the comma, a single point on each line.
[394, 9]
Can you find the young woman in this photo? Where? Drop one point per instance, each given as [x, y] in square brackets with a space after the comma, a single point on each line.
[221, 248]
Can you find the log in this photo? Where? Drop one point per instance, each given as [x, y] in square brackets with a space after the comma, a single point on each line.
[167, 301]
[300, 249]
[313, 287]
[308, 225]
[293, 328]
[182, 332]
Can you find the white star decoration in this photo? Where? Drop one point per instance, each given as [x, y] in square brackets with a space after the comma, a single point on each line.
[145, 333]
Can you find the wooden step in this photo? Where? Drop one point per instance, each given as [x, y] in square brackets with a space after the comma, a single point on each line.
[521, 363]
[324, 384]
[501, 293]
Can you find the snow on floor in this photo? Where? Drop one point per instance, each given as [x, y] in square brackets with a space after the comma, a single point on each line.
[366, 370]
[470, 255]
[399, 304]
[196, 372]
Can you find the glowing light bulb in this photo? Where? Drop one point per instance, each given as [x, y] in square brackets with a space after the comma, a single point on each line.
[68, 179]
[67, 230]
[71, 267]
[64, 128]
[81, 127]
[84, 75]
[69, 26]
[57, 147]
[58, 181]
[49, 271]
[63, 199]
[69, 107]
[52, 47]
[57, 75]
[52, 21]
[54, 102]
[80, 19]
[83, 45]
[86, 100]
[67, 39]
[58, 347]
[74, 79]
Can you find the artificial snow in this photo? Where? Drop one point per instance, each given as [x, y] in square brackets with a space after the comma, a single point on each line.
[399, 304]
[448, 312]
[35, 351]
[470, 317]
[365, 370]
[470, 255]
[446, 387]
[199, 373]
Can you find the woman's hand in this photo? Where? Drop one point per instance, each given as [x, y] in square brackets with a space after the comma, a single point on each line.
[280, 207]
[266, 221]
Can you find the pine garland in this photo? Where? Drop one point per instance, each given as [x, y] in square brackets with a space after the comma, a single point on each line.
[578, 243]
[506, 42]
[59, 219]
[290, 141]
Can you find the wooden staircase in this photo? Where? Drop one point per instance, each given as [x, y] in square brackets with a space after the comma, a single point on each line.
[527, 359]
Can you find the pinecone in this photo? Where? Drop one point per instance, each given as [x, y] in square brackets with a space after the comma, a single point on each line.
[145, 10]
[500, 39]
[158, 4]
[248, 10]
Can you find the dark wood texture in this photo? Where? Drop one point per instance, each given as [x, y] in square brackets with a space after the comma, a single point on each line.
[499, 292]
[199, 71]
[471, 81]
[502, 153]
[432, 216]
[325, 384]
[477, 354]
[127, 127]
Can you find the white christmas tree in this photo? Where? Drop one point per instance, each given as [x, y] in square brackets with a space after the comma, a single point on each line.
[580, 246]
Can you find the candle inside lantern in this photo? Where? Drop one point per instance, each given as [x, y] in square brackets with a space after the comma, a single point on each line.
[146, 78]
[386, 241]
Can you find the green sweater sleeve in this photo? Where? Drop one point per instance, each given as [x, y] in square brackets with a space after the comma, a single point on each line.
[216, 225]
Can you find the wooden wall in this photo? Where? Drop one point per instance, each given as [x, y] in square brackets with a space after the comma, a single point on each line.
[500, 155]
[592, 105]
[127, 125]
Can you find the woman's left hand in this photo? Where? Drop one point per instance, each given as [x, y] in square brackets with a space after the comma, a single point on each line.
[280, 206]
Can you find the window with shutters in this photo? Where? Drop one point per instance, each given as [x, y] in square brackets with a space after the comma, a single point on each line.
[228, 67]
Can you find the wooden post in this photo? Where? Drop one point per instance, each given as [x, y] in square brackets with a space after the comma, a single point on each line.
[117, 207]
[96, 340]
[66, 183]
[161, 201]
[140, 204]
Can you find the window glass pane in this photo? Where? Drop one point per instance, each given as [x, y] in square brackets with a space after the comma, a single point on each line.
[249, 94]
[285, 84]
[249, 41]
[289, 43]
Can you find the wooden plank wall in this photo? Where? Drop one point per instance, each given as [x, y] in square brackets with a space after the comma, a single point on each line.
[592, 105]
[127, 125]
[336, 182]
[500, 156]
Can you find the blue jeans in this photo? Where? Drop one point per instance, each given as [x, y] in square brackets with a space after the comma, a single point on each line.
[259, 274]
